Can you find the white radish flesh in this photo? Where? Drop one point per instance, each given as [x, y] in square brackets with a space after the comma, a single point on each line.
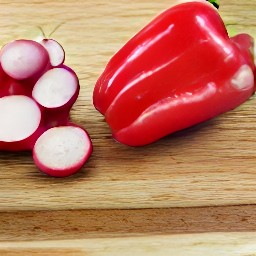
[56, 88]
[55, 51]
[23, 59]
[62, 151]
[20, 117]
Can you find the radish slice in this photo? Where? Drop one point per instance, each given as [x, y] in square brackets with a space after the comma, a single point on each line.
[22, 59]
[56, 88]
[20, 117]
[56, 91]
[62, 151]
[55, 51]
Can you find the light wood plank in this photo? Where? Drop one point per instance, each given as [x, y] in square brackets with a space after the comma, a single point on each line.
[211, 244]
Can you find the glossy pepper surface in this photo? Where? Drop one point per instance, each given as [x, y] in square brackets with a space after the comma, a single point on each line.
[178, 71]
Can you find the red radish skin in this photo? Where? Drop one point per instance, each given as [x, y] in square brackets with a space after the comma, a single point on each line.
[62, 151]
[24, 59]
[2, 75]
[55, 51]
[20, 123]
[53, 118]
[11, 86]
[56, 92]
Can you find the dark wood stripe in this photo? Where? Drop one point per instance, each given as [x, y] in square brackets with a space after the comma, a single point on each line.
[79, 224]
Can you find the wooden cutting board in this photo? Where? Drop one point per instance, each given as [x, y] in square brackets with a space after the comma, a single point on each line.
[209, 164]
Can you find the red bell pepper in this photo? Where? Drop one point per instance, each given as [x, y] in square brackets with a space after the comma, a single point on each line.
[180, 70]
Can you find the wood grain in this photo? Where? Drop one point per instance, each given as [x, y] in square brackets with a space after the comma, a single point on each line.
[210, 164]
[87, 224]
[228, 244]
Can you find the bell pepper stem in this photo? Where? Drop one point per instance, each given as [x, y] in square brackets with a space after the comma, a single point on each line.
[215, 3]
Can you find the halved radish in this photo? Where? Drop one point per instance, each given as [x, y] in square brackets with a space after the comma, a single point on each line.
[23, 59]
[56, 88]
[20, 122]
[62, 151]
[56, 92]
[55, 51]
